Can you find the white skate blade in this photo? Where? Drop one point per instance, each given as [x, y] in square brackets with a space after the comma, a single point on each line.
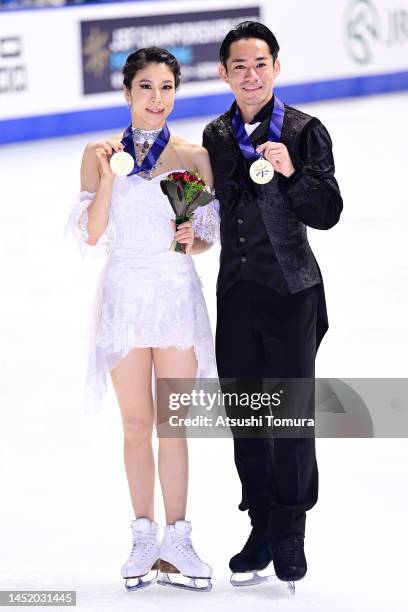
[141, 581]
[291, 587]
[191, 584]
[238, 580]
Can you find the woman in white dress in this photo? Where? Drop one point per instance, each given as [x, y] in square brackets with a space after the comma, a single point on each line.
[150, 312]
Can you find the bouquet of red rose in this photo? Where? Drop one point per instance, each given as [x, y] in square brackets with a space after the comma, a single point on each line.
[186, 192]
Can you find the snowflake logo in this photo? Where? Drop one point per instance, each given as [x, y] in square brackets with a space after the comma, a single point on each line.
[96, 52]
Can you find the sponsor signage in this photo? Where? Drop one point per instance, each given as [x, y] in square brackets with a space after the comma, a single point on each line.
[194, 38]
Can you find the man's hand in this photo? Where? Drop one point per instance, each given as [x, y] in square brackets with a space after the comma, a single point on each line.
[278, 155]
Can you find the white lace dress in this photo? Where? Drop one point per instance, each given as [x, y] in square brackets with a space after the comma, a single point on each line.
[147, 296]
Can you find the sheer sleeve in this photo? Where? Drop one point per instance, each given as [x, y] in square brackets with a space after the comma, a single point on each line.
[77, 225]
[206, 222]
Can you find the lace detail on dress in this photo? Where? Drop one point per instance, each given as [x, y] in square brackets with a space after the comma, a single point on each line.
[206, 222]
[83, 225]
[147, 295]
[77, 225]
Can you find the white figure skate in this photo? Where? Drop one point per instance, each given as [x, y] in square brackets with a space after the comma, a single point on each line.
[177, 556]
[144, 556]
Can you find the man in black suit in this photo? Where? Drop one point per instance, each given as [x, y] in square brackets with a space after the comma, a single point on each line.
[271, 303]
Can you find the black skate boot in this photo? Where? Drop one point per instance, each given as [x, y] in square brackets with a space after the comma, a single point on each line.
[254, 557]
[289, 558]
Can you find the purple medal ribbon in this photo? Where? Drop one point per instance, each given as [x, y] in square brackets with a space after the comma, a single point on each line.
[274, 132]
[154, 152]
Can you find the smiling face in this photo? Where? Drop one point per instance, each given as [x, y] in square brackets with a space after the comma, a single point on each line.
[151, 96]
[250, 73]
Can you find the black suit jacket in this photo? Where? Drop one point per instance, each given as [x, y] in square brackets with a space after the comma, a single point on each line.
[310, 197]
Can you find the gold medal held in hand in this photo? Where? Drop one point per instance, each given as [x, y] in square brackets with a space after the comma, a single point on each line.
[261, 171]
[121, 163]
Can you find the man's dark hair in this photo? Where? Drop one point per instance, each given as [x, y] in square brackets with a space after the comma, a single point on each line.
[248, 29]
[150, 55]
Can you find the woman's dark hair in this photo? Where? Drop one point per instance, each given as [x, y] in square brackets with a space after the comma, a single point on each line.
[248, 29]
[151, 55]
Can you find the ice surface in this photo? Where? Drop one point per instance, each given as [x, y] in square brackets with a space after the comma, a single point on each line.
[65, 511]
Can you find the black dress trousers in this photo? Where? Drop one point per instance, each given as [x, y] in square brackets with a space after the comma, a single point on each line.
[260, 335]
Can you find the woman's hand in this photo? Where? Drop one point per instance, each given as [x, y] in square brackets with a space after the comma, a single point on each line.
[184, 234]
[109, 145]
[104, 151]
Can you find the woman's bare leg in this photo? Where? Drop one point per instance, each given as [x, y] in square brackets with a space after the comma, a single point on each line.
[173, 452]
[132, 381]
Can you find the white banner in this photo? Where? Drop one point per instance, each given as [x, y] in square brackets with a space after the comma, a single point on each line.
[47, 57]
[333, 39]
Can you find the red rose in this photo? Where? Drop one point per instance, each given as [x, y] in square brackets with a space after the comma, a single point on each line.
[176, 176]
[185, 177]
[192, 178]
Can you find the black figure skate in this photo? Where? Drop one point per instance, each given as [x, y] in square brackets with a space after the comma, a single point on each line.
[253, 558]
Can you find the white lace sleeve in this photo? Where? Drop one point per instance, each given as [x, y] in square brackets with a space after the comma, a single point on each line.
[77, 224]
[206, 222]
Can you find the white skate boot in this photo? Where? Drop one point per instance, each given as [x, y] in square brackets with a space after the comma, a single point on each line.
[177, 556]
[144, 557]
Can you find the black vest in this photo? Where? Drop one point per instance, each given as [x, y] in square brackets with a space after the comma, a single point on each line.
[261, 237]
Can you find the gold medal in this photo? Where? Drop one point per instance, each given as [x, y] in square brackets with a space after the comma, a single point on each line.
[121, 163]
[261, 171]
